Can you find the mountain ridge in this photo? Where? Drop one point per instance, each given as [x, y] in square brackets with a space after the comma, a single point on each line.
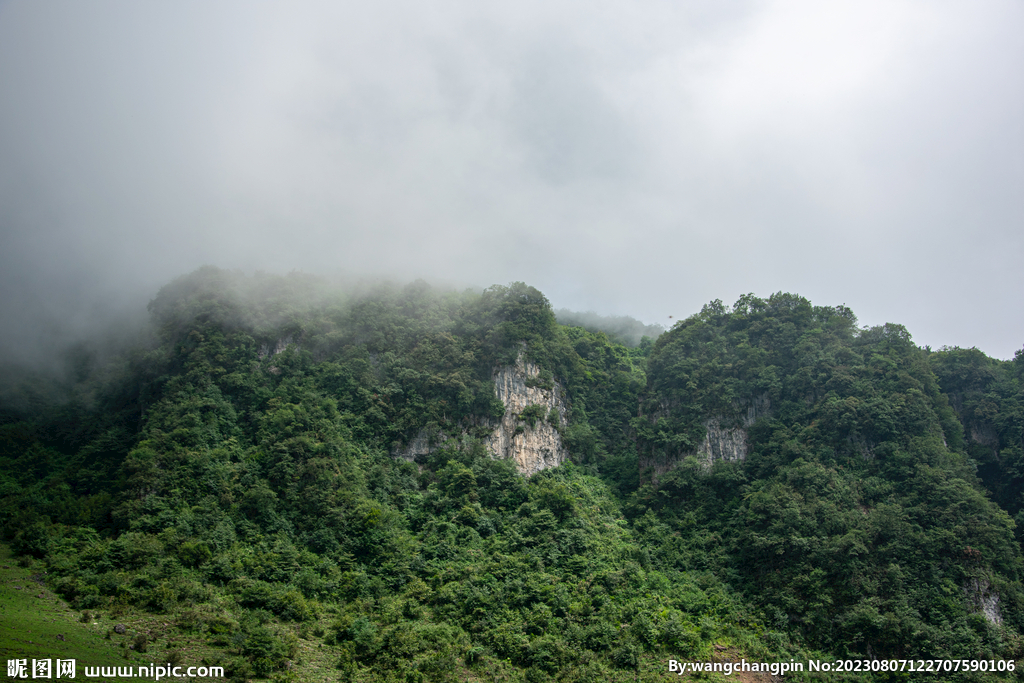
[245, 464]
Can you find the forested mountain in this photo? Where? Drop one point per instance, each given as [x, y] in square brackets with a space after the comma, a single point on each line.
[285, 468]
[622, 329]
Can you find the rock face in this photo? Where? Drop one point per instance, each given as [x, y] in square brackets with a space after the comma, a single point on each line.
[984, 432]
[984, 599]
[729, 443]
[533, 448]
[721, 442]
[419, 445]
[279, 346]
[529, 398]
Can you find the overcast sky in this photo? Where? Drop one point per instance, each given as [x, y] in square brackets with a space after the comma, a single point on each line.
[637, 158]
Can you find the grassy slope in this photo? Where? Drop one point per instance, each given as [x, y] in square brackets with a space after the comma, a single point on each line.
[31, 617]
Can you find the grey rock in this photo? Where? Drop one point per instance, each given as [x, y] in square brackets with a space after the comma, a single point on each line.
[532, 448]
[983, 598]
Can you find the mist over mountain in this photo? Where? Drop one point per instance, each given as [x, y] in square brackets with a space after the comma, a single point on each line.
[294, 377]
[638, 160]
[304, 476]
[619, 328]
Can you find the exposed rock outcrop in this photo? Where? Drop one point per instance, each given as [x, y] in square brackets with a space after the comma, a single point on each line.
[417, 446]
[976, 430]
[279, 346]
[984, 599]
[721, 442]
[533, 447]
[730, 443]
[528, 433]
[984, 432]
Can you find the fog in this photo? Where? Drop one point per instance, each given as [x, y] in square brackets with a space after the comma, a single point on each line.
[635, 159]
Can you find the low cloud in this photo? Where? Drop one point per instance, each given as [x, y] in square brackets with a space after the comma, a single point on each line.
[634, 160]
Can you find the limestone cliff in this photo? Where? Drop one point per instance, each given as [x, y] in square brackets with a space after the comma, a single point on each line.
[725, 438]
[729, 443]
[533, 447]
[279, 346]
[983, 599]
[417, 446]
[527, 433]
[721, 443]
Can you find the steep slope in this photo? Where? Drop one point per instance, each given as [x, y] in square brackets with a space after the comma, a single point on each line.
[988, 397]
[806, 489]
[535, 408]
[528, 433]
[820, 455]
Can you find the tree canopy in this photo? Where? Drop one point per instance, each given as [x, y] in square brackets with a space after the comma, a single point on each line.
[235, 474]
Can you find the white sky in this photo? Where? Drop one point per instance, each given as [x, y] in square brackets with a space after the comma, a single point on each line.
[636, 158]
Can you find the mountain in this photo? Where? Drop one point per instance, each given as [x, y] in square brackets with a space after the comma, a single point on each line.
[401, 483]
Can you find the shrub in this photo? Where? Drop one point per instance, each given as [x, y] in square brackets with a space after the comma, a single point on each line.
[264, 650]
[627, 656]
[532, 414]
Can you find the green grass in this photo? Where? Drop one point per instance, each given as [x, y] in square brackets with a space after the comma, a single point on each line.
[32, 618]
[36, 624]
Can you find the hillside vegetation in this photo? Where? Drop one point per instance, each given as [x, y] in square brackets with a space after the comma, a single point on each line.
[236, 475]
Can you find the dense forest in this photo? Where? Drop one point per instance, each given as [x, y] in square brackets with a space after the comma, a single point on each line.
[766, 480]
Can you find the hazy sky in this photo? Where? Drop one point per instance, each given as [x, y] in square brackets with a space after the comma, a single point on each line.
[636, 158]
